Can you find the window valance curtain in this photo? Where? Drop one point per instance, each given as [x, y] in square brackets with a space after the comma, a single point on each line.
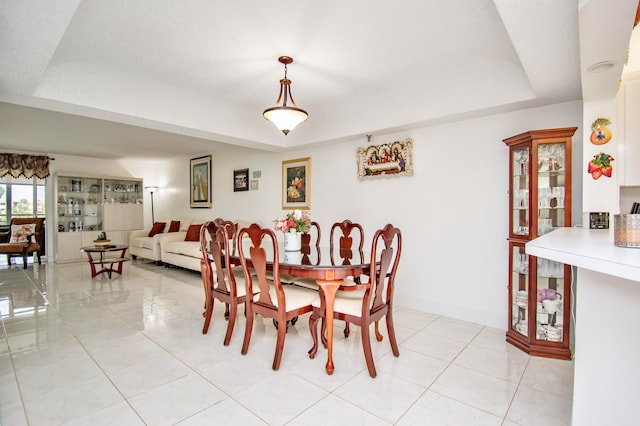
[25, 165]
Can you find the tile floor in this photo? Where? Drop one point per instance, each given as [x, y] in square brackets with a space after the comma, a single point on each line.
[130, 351]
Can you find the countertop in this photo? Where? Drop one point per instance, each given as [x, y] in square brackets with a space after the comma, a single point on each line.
[591, 249]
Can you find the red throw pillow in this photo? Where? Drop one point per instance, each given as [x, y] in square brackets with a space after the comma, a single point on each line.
[174, 226]
[193, 233]
[157, 228]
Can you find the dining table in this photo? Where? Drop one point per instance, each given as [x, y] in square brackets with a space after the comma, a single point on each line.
[328, 269]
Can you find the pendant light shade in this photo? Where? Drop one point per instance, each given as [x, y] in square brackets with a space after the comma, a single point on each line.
[285, 117]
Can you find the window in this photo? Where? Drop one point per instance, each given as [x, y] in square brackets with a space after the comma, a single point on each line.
[21, 197]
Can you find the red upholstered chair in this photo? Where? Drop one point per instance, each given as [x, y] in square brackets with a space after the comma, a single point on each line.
[367, 302]
[275, 301]
[25, 237]
[225, 283]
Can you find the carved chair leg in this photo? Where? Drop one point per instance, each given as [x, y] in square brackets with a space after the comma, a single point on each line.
[378, 335]
[392, 334]
[232, 322]
[366, 346]
[247, 332]
[313, 329]
[282, 332]
[208, 313]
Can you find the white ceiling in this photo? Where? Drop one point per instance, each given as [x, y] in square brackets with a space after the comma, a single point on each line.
[160, 78]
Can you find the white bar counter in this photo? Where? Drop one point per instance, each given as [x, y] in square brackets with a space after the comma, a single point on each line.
[607, 326]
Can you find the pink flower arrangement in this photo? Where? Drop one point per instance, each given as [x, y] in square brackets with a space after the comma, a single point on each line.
[298, 221]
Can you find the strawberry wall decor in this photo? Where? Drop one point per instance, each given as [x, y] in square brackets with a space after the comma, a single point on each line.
[600, 166]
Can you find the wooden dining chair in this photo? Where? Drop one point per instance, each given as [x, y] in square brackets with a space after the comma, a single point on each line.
[310, 244]
[341, 242]
[271, 299]
[343, 237]
[367, 302]
[225, 283]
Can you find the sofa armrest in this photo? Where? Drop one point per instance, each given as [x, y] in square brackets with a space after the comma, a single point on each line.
[137, 233]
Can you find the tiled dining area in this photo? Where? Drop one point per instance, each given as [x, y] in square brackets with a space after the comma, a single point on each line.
[130, 351]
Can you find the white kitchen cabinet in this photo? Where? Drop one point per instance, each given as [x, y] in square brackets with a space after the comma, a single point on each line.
[629, 134]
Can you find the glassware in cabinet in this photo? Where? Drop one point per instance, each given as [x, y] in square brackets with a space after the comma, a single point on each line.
[122, 191]
[78, 201]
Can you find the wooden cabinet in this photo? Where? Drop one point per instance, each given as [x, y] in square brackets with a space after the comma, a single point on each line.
[88, 205]
[539, 202]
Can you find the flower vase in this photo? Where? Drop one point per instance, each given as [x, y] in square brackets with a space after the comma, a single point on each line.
[292, 241]
[293, 257]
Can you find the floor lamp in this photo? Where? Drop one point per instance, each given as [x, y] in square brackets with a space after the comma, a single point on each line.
[152, 189]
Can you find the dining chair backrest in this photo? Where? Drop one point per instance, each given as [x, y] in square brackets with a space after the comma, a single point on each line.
[341, 239]
[221, 249]
[386, 248]
[309, 244]
[263, 249]
[308, 237]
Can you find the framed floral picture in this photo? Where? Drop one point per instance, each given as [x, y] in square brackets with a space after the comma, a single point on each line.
[200, 179]
[241, 180]
[296, 184]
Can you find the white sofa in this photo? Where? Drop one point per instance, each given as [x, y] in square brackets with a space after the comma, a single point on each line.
[170, 248]
[142, 245]
[174, 250]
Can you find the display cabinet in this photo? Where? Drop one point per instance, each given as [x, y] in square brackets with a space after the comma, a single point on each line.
[540, 201]
[87, 205]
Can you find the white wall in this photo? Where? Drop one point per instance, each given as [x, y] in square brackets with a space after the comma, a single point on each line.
[453, 212]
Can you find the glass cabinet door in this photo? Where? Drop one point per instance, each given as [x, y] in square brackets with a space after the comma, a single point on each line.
[551, 186]
[79, 204]
[122, 191]
[520, 191]
[519, 289]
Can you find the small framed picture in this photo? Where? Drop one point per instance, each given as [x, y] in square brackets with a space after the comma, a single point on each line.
[254, 184]
[241, 180]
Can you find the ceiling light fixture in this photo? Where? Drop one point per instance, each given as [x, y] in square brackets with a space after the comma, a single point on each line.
[285, 117]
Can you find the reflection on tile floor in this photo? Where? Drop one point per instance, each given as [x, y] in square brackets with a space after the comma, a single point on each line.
[78, 351]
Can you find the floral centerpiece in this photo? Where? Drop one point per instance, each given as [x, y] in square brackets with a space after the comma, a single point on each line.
[298, 221]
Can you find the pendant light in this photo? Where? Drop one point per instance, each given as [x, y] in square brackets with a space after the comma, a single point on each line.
[285, 117]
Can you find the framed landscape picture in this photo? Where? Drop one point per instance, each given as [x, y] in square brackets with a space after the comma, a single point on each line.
[200, 179]
[241, 180]
[296, 184]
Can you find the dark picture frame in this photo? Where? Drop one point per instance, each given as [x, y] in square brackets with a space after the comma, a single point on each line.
[240, 180]
[200, 183]
[296, 184]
